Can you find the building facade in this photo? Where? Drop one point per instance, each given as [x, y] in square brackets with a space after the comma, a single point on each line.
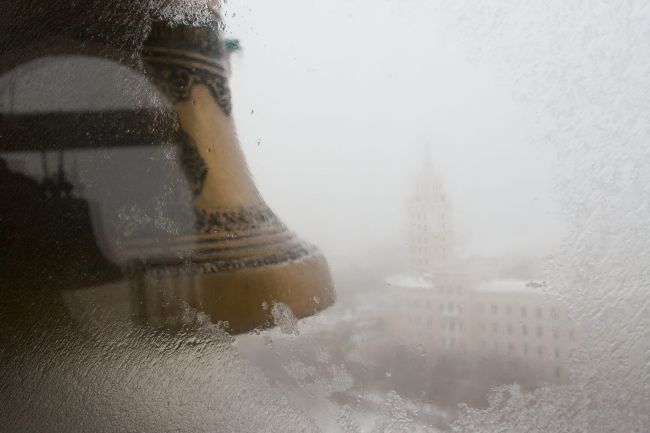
[429, 233]
[442, 307]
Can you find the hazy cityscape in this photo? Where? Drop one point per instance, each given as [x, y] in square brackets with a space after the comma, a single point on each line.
[438, 255]
[441, 331]
[475, 176]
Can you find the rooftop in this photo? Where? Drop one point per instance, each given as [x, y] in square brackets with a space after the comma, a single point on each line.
[413, 280]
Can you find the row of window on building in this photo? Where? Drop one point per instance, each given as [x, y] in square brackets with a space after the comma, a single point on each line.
[452, 325]
[524, 350]
[429, 304]
[539, 330]
[523, 311]
[451, 342]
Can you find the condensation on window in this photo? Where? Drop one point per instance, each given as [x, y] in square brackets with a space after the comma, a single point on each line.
[584, 70]
[475, 173]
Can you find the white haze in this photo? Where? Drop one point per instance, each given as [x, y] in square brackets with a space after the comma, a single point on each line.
[335, 102]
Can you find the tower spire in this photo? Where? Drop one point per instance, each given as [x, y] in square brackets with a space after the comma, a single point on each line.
[429, 232]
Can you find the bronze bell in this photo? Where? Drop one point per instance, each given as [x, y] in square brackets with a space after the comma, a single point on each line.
[228, 256]
[238, 259]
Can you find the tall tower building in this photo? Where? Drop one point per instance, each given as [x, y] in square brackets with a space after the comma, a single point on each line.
[429, 231]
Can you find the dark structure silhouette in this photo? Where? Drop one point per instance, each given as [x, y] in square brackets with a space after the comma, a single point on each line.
[47, 240]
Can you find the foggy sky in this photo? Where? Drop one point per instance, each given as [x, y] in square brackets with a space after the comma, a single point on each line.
[334, 103]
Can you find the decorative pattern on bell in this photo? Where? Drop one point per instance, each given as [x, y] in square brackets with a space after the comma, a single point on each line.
[238, 256]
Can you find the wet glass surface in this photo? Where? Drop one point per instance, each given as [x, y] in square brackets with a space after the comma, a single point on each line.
[324, 216]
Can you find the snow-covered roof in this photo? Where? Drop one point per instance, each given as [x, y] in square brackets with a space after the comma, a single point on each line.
[510, 286]
[410, 280]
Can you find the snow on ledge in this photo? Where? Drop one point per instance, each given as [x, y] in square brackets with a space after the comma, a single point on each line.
[410, 280]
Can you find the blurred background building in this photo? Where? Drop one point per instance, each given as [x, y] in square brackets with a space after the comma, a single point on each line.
[446, 305]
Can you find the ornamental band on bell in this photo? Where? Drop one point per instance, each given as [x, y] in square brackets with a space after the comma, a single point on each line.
[177, 58]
